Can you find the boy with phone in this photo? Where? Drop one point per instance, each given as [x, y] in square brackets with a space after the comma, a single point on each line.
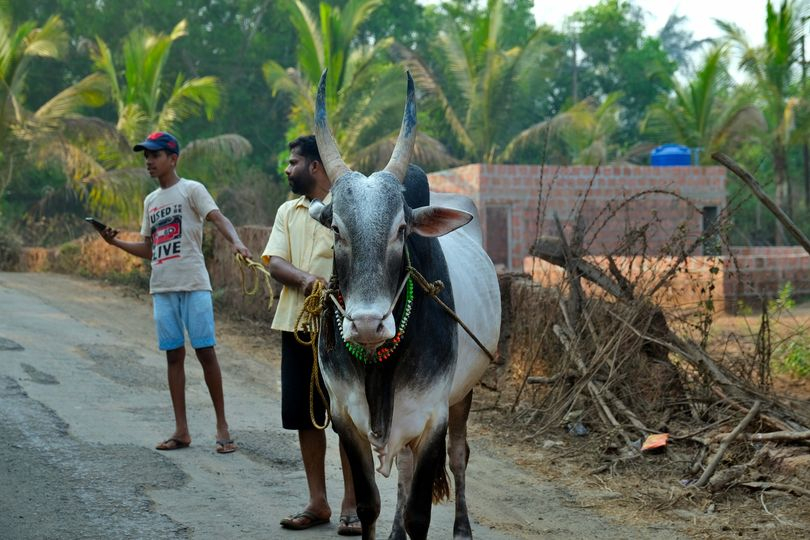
[172, 230]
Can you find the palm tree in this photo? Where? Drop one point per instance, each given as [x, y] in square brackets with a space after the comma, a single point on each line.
[772, 68]
[487, 78]
[100, 160]
[707, 112]
[364, 91]
[582, 134]
[23, 131]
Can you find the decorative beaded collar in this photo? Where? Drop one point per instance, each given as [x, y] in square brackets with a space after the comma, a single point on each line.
[387, 349]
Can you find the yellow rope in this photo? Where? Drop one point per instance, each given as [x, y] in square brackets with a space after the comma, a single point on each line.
[257, 269]
[308, 320]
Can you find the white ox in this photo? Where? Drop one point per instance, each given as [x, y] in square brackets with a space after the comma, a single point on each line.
[399, 369]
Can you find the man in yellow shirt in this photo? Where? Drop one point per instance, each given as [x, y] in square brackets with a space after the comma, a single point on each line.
[299, 254]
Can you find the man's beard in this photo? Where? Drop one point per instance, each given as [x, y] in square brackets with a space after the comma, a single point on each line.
[299, 186]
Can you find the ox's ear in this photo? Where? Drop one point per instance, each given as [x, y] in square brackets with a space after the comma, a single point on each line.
[322, 213]
[438, 220]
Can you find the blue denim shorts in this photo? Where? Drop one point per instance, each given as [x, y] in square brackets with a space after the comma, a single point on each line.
[193, 310]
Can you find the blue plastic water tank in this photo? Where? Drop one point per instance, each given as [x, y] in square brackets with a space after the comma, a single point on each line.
[671, 155]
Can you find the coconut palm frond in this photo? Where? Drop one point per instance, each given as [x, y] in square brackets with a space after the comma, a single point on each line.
[92, 128]
[461, 67]
[535, 134]
[189, 99]
[103, 62]
[311, 56]
[92, 91]
[229, 145]
[73, 159]
[118, 194]
[428, 83]
[133, 122]
[48, 41]
[353, 15]
[431, 154]
[428, 153]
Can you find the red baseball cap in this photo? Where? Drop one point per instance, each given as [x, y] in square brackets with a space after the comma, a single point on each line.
[159, 140]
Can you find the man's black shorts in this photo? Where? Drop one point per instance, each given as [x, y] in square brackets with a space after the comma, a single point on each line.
[296, 371]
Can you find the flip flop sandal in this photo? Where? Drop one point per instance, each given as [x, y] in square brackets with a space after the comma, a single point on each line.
[297, 522]
[226, 446]
[349, 525]
[172, 444]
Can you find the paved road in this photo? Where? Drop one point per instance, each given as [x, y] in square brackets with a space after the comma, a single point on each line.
[83, 400]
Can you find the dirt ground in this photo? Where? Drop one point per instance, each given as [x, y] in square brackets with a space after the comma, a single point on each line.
[647, 492]
[648, 489]
[96, 404]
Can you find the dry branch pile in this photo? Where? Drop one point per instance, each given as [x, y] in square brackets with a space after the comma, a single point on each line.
[598, 357]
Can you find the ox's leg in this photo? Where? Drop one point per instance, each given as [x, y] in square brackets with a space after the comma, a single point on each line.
[428, 470]
[459, 453]
[358, 452]
[404, 477]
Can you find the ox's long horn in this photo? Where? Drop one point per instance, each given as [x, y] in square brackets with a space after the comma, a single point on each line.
[333, 164]
[398, 165]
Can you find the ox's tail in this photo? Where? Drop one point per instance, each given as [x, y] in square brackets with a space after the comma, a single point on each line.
[441, 484]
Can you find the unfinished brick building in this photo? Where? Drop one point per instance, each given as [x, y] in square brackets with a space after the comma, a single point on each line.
[516, 200]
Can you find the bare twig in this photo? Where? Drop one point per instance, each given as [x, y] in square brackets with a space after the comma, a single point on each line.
[707, 474]
[567, 374]
[765, 437]
[796, 490]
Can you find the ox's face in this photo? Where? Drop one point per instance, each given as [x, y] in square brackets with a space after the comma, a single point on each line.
[371, 221]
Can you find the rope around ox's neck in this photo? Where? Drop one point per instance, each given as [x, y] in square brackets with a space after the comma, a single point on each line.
[432, 290]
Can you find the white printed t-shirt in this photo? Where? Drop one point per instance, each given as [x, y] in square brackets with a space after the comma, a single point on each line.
[173, 218]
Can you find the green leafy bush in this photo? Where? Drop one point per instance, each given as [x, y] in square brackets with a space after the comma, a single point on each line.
[793, 357]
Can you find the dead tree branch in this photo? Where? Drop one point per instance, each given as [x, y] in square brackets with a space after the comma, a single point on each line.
[796, 490]
[755, 187]
[707, 474]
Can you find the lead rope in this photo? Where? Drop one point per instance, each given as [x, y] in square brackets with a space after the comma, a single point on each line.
[433, 289]
[310, 318]
[256, 268]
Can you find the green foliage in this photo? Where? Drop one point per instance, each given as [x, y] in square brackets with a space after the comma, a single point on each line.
[793, 357]
[792, 354]
[617, 57]
[772, 68]
[479, 100]
[706, 112]
[364, 92]
[474, 91]
[783, 301]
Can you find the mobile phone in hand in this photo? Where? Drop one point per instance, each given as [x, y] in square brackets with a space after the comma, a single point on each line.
[95, 223]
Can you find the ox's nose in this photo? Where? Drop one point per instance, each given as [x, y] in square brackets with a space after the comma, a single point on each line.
[370, 328]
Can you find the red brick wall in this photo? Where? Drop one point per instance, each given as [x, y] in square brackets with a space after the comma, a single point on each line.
[748, 275]
[756, 273]
[697, 278]
[561, 190]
